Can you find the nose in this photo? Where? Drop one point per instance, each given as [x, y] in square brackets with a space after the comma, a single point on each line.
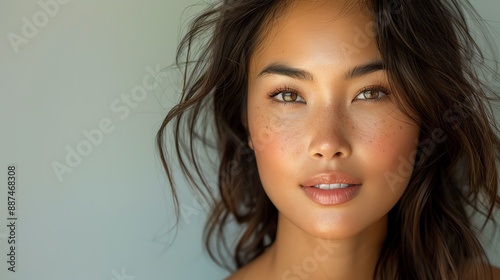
[329, 135]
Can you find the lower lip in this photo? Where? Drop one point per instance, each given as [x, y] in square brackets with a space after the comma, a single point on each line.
[331, 197]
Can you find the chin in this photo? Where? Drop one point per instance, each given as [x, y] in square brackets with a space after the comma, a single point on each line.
[339, 228]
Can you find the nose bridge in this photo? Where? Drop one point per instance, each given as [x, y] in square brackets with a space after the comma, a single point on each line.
[329, 133]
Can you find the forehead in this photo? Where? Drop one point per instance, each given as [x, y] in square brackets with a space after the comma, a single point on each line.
[317, 34]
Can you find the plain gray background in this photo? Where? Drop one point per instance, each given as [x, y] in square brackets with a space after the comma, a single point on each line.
[82, 71]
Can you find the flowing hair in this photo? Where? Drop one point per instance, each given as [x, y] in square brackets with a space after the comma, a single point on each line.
[432, 61]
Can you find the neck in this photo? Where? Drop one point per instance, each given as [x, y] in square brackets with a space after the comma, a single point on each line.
[297, 255]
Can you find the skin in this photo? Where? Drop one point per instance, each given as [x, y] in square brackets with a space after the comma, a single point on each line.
[326, 127]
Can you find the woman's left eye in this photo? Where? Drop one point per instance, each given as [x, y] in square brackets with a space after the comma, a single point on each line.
[371, 94]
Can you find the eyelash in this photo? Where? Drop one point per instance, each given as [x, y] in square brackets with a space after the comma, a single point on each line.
[282, 90]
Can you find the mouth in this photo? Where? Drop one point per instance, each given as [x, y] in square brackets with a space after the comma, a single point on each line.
[333, 186]
[332, 194]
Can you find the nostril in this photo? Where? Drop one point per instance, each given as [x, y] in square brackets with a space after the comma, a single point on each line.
[328, 150]
[321, 155]
[318, 155]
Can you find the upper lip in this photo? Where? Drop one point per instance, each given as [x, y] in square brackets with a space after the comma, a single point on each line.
[334, 177]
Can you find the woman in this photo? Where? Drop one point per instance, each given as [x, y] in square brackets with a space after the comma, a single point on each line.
[354, 137]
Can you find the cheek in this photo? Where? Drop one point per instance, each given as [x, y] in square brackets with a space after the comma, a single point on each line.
[386, 150]
[272, 133]
[277, 141]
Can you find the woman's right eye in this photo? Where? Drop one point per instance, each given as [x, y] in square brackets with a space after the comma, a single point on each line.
[288, 97]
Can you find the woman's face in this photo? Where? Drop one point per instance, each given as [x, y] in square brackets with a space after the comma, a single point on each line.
[320, 116]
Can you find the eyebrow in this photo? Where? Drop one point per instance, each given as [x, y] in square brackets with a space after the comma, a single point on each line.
[296, 73]
[364, 69]
[281, 69]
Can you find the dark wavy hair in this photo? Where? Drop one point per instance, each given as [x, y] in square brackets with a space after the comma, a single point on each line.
[432, 61]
